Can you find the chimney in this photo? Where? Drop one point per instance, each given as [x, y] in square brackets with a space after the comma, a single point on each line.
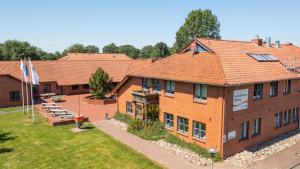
[257, 41]
[277, 44]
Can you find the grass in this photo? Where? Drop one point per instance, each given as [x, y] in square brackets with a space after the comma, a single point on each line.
[27, 145]
[156, 132]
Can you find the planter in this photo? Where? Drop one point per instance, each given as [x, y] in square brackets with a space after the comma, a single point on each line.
[79, 120]
[104, 101]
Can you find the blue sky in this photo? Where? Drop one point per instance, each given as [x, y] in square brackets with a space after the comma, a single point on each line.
[56, 24]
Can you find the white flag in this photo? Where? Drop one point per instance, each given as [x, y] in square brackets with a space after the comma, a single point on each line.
[25, 72]
[21, 65]
[35, 79]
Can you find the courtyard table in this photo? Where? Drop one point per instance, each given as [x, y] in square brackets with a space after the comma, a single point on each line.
[47, 104]
[58, 112]
[56, 98]
[47, 95]
[51, 107]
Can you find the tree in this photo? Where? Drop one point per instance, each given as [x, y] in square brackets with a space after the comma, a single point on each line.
[160, 50]
[130, 51]
[100, 83]
[198, 24]
[14, 50]
[80, 48]
[146, 52]
[110, 48]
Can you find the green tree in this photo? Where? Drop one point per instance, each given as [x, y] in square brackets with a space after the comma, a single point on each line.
[160, 50]
[14, 50]
[146, 52]
[80, 48]
[110, 48]
[198, 24]
[92, 49]
[130, 51]
[100, 83]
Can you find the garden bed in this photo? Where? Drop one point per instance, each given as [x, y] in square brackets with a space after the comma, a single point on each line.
[94, 101]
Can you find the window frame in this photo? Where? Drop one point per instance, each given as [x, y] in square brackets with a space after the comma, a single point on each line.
[14, 96]
[273, 89]
[287, 117]
[198, 131]
[256, 127]
[279, 120]
[75, 87]
[129, 107]
[244, 127]
[171, 90]
[157, 83]
[258, 89]
[183, 122]
[47, 87]
[287, 86]
[168, 120]
[202, 92]
[86, 86]
[295, 114]
[146, 83]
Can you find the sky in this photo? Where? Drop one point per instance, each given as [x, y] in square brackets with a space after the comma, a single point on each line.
[53, 25]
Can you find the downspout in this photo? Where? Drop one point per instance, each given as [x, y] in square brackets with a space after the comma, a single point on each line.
[224, 122]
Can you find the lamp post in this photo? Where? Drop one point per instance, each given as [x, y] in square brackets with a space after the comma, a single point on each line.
[212, 153]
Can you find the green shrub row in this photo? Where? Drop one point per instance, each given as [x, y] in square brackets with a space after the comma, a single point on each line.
[155, 131]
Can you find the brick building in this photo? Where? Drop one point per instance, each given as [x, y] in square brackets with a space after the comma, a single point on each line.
[221, 94]
[61, 77]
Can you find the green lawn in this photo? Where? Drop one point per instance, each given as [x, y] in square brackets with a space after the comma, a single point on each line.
[27, 145]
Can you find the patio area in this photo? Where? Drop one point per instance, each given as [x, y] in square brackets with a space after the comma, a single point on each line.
[74, 103]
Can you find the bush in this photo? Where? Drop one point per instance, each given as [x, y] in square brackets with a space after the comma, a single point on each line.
[125, 118]
[193, 147]
[135, 125]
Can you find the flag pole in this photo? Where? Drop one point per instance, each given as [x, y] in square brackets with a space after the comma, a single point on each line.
[22, 84]
[27, 100]
[32, 110]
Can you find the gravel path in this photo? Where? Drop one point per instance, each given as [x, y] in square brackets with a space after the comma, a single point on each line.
[265, 150]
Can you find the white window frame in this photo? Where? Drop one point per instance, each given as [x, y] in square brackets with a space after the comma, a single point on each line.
[169, 120]
[129, 107]
[169, 88]
[256, 126]
[146, 83]
[199, 130]
[182, 123]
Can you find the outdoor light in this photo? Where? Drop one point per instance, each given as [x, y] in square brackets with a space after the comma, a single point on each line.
[212, 153]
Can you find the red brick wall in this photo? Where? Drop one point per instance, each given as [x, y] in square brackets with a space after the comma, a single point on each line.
[67, 90]
[8, 84]
[265, 109]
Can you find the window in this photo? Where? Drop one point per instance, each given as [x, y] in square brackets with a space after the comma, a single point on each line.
[138, 111]
[75, 87]
[128, 107]
[183, 125]
[273, 89]
[244, 127]
[295, 114]
[170, 87]
[86, 86]
[287, 87]
[47, 88]
[200, 91]
[157, 85]
[287, 115]
[256, 126]
[14, 96]
[200, 48]
[146, 83]
[278, 119]
[169, 120]
[258, 91]
[199, 130]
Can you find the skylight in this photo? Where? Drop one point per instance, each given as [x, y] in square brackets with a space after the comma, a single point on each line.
[263, 57]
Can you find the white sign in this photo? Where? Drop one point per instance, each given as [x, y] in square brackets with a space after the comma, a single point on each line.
[231, 135]
[240, 99]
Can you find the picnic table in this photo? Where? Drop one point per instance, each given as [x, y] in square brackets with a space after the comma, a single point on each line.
[56, 98]
[56, 112]
[48, 104]
[47, 95]
[52, 107]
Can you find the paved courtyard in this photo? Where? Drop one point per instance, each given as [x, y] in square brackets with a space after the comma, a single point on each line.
[93, 112]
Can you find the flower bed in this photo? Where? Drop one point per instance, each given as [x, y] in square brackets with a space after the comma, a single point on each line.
[92, 100]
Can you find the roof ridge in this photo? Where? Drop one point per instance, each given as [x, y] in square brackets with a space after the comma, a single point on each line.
[227, 40]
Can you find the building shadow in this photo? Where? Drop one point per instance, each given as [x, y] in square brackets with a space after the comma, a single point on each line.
[272, 141]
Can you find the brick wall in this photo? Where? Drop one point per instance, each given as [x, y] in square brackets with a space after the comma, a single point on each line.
[8, 84]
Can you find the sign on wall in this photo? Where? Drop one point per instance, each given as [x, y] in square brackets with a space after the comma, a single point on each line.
[240, 99]
[231, 135]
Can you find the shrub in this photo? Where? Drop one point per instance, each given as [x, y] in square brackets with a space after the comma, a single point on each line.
[135, 125]
[125, 118]
[100, 83]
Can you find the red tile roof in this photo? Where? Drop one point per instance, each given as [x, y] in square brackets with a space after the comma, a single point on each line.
[227, 64]
[94, 56]
[74, 72]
